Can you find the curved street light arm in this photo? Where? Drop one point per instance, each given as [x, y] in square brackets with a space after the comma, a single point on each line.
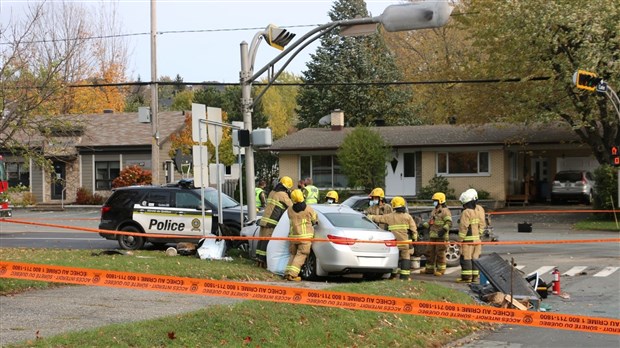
[323, 29]
[273, 78]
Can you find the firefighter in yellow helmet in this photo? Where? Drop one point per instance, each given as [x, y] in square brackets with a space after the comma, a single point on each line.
[302, 218]
[471, 225]
[331, 197]
[277, 203]
[439, 231]
[402, 225]
[377, 205]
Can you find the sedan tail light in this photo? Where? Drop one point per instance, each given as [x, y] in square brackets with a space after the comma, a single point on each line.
[390, 242]
[341, 240]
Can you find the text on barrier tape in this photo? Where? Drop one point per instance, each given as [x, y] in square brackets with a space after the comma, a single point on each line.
[345, 300]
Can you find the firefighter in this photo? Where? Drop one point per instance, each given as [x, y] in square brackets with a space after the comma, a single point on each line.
[439, 231]
[402, 225]
[331, 197]
[303, 218]
[261, 201]
[277, 203]
[311, 192]
[377, 205]
[470, 227]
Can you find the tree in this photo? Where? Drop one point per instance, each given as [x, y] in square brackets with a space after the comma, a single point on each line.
[182, 100]
[42, 54]
[132, 175]
[279, 103]
[362, 156]
[529, 39]
[356, 63]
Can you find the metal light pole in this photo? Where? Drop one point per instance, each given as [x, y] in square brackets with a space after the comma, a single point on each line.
[401, 17]
[154, 99]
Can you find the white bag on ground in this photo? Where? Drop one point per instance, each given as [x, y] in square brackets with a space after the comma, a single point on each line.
[211, 248]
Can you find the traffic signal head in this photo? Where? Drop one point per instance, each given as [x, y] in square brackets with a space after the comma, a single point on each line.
[277, 37]
[587, 80]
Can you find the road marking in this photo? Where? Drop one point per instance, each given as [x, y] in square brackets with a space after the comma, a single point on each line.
[606, 271]
[520, 267]
[542, 270]
[574, 271]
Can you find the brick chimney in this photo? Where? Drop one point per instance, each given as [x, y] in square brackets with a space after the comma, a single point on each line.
[337, 120]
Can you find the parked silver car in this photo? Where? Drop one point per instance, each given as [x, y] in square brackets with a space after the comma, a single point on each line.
[345, 253]
[576, 185]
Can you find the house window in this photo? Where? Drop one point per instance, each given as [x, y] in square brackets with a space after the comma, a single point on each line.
[324, 171]
[18, 174]
[409, 164]
[466, 162]
[105, 172]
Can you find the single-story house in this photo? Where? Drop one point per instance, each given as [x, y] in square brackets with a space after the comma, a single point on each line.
[91, 153]
[498, 158]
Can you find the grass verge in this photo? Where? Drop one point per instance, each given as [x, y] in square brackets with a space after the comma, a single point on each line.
[264, 324]
[597, 224]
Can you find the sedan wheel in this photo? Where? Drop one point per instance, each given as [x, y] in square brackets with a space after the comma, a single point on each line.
[453, 253]
[309, 269]
[130, 242]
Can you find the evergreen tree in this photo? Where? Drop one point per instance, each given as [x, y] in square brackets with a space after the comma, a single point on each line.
[364, 143]
[355, 63]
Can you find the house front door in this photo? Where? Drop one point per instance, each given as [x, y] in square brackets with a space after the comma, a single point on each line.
[400, 178]
[58, 180]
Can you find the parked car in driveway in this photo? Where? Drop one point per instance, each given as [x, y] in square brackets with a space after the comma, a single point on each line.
[573, 185]
[344, 253]
[171, 209]
[422, 214]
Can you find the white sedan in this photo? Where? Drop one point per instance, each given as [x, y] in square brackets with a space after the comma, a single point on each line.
[344, 253]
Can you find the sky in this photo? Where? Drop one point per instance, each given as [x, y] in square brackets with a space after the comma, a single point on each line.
[212, 53]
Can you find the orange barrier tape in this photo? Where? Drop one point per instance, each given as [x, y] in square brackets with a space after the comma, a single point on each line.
[345, 300]
[177, 236]
[568, 211]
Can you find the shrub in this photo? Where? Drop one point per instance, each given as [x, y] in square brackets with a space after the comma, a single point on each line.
[132, 175]
[438, 184]
[86, 197]
[606, 187]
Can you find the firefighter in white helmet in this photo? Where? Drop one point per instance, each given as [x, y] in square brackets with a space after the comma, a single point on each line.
[302, 219]
[402, 225]
[377, 205]
[439, 231]
[471, 225]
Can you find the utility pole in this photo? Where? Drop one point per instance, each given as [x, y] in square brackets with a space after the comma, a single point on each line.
[154, 99]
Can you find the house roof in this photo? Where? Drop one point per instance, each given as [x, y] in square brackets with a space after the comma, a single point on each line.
[433, 135]
[108, 129]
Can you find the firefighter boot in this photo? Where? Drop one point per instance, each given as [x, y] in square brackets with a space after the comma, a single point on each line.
[405, 271]
[292, 278]
[429, 269]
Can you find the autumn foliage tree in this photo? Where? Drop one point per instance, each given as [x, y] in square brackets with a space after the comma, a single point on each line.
[132, 175]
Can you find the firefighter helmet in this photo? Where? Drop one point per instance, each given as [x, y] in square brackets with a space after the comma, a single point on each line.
[287, 182]
[439, 196]
[467, 197]
[332, 194]
[473, 192]
[398, 202]
[297, 196]
[377, 192]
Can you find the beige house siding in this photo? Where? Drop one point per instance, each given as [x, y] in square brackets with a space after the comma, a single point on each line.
[289, 166]
[492, 183]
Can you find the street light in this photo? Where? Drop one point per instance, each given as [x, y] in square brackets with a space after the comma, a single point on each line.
[401, 17]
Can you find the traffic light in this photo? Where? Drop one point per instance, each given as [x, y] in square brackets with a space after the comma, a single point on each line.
[277, 37]
[615, 155]
[587, 80]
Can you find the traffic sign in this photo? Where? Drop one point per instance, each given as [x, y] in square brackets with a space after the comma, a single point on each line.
[214, 132]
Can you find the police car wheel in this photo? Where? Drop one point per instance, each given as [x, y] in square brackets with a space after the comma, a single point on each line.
[130, 242]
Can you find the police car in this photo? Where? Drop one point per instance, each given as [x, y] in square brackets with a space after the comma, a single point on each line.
[174, 209]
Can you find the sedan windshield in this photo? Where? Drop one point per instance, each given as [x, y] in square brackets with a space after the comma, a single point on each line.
[350, 221]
